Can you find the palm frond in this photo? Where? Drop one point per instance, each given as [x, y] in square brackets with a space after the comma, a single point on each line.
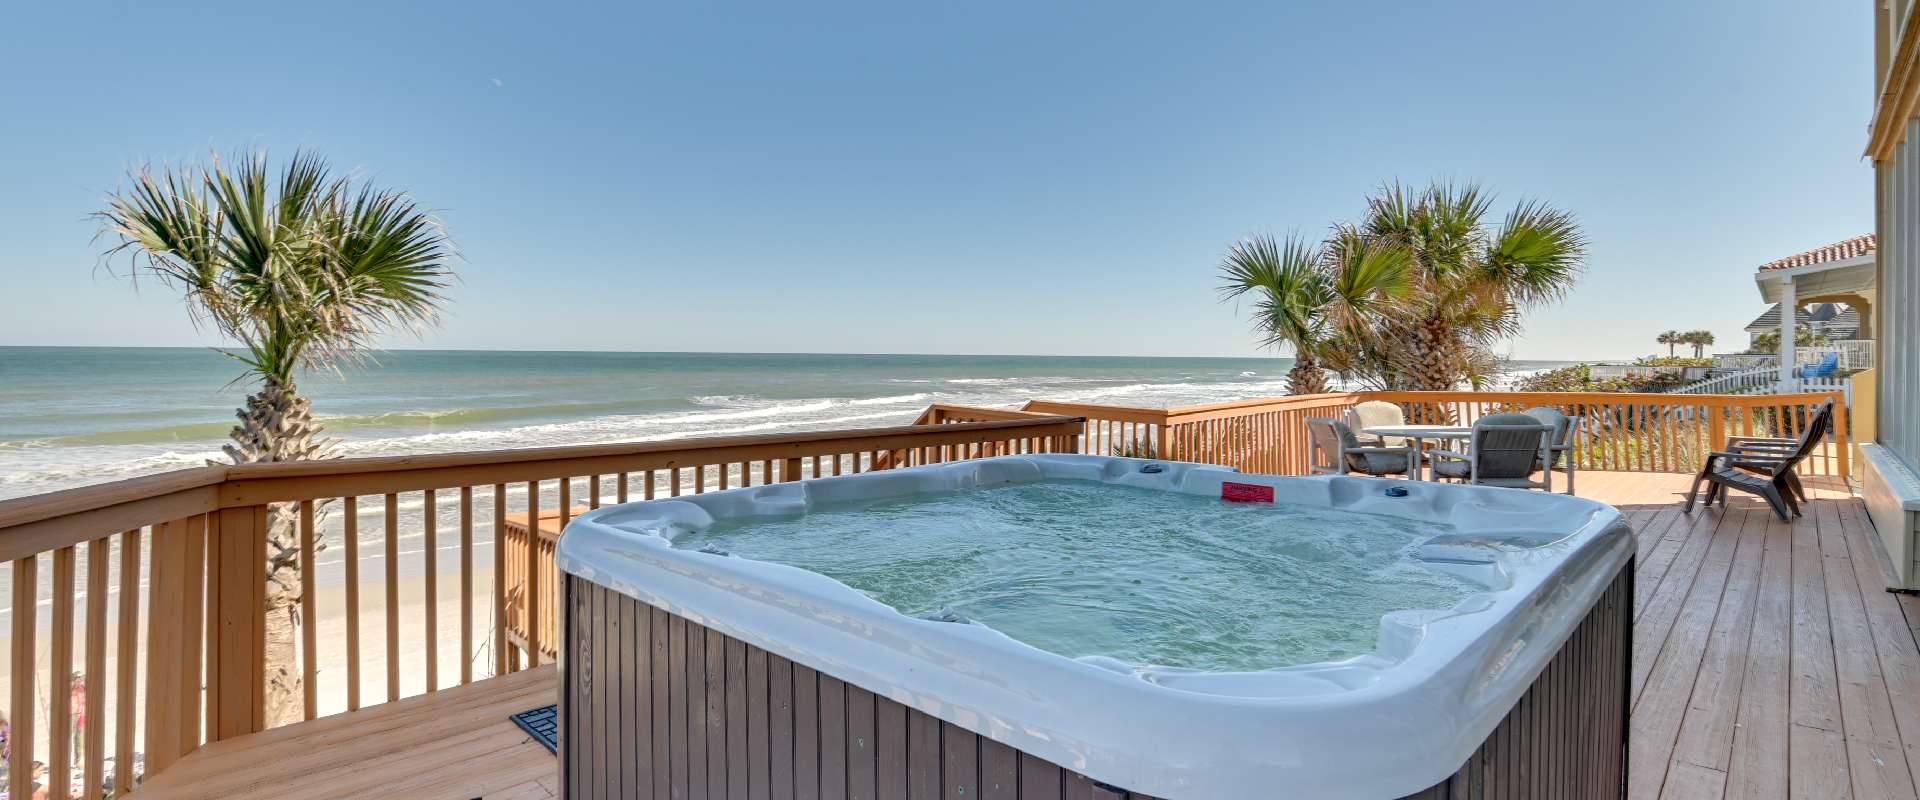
[299, 267]
[1289, 289]
[1537, 254]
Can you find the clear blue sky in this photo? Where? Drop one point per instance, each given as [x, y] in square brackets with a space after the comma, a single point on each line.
[950, 177]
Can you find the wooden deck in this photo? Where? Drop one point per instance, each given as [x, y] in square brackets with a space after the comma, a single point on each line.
[453, 744]
[1769, 659]
[1769, 662]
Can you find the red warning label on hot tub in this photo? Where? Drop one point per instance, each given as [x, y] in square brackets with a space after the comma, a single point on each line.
[1245, 493]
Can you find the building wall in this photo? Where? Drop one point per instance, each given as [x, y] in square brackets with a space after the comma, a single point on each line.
[1899, 317]
[1897, 321]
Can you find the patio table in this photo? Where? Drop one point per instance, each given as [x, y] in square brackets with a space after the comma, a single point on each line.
[1419, 434]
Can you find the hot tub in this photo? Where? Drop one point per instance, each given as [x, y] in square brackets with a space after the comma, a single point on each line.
[709, 673]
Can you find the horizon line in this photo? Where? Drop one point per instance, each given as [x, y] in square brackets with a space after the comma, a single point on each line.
[377, 351]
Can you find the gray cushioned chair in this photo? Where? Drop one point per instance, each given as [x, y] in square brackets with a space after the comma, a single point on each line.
[1377, 412]
[1336, 451]
[1502, 450]
[1559, 442]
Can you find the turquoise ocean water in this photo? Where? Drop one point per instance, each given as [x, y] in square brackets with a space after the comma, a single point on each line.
[76, 416]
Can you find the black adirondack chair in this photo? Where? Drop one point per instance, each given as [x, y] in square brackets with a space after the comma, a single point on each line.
[1772, 446]
[1765, 467]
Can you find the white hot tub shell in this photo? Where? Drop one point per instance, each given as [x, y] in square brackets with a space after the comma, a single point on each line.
[1415, 714]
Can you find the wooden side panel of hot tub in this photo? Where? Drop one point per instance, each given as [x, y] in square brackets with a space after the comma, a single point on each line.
[1567, 737]
[655, 706]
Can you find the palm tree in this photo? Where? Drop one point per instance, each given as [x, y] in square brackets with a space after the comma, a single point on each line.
[303, 269]
[1322, 302]
[1671, 339]
[1700, 341]
[1471, 282]
[1769, 342]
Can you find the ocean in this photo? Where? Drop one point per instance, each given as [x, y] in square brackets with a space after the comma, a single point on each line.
[71, 416]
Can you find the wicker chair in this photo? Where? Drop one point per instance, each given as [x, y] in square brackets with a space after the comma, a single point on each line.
[1559, 442]
[1377, 412]
[1336, 451]
[1503, 450]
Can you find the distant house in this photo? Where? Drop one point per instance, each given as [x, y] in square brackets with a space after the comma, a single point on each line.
[1832, 292]
[1833, 321]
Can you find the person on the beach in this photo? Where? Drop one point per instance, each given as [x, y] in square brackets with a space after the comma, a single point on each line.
[77, 696]
[39, 780]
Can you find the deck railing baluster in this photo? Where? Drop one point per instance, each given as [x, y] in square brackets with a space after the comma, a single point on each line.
[430, 554]
[466, 581]
[59, 672]
[309, 587]
[93, 769]
[23, 676]
[350, 537]
[392, 522]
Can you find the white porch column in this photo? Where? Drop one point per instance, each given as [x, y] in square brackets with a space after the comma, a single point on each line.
[1789, 306]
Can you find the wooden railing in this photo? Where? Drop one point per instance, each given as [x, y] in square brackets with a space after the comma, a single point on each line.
[1649, 432]
[1265, 435]
[1619, 432]
[516, 535]
[178, 658]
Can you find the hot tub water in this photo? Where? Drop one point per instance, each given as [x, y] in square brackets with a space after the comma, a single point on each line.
[1082, 568]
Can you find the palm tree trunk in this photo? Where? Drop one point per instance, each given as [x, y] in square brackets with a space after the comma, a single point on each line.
[1436, 364]
[1306, 376]
[276, 424]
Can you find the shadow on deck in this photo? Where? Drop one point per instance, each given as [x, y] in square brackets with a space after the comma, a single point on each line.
[1769, 661]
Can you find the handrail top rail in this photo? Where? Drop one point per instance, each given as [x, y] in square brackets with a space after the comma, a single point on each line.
[988, 414]
[1172, 415]
[80, 499]
[1151, 416]
[1281, 400]
[1614, 398]
[374, 464]
[1275, 405]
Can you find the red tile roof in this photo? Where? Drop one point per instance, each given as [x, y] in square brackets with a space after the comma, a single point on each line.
[1838, 251]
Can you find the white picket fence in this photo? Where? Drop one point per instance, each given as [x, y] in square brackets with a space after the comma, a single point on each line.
[1764, 380]
[1742, 382]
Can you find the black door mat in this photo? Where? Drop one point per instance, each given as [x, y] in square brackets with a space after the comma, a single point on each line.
[543, 723]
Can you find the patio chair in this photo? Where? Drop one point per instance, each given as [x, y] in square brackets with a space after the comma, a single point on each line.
[1822, 416]
[1767, 474]
[1503, 450]
[1825, 369]
[1559, 442]
[1373, 413]
[1343, 453]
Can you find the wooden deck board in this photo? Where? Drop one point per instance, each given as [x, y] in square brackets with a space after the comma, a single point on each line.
[457, 743]
[1761, 736]
[1768, 662]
